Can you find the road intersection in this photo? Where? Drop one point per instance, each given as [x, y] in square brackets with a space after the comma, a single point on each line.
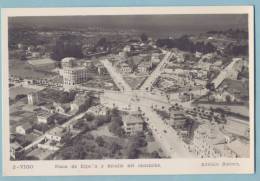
[143, 100]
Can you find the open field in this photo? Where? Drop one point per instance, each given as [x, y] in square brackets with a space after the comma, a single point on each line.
[24, 69]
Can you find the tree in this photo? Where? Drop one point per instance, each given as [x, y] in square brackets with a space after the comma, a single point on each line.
[31, 158]
[132, 152]
[116, 128]
[210, 86]
[19, 96]
[155, 154]
[228, 99]
[114, 147]
[89, 117]
[66, 139]
[144, 37]
[89, 136]
[67, 46]
[100, 141]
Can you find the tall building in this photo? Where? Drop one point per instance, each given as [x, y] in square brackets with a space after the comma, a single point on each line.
[74, 75]
[33, 98]
[71, 73]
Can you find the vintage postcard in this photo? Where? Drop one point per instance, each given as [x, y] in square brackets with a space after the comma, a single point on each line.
[128, 90]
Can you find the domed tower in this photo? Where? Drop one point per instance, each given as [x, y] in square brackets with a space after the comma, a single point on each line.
[67, 62]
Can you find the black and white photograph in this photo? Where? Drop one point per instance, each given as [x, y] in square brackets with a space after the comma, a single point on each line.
[163, 86]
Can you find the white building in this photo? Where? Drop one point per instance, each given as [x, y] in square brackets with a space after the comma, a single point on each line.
[155, 58]
[72, 74]
[79, 103]
[98, 110]
[127, 48]
[24, 129]
[125, 68]
[45, 117]
[144, 67]
[15, 150]
[209, 142]
[33, 98]
[132, 124]
[56, 134]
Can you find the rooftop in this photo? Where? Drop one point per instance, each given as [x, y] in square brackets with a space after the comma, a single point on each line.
[129, 119]
[57, 131]
[15, 145]
[45, 114]
[68, 59]
[26, 126]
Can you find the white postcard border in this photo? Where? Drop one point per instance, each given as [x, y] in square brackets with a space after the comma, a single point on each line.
[124, 167]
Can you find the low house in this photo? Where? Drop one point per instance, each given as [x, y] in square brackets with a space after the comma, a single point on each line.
[45, 117]
[60, 119]
[125, 68]
[24, 129]
[127, 48]
[98, 110]
[15, 150]
[56, 134]
[61, 108]
[132, 124]
[155, 58]
[178, 119]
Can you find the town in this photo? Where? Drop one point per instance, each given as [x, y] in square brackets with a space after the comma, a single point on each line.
[96, 93]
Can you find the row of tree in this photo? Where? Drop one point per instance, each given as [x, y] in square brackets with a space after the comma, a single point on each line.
[185, 44]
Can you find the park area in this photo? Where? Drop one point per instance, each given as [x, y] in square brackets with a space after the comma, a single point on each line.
[102, 137]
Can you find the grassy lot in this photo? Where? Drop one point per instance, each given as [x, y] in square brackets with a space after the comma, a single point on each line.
[14, 91]
[24, 69]
[134, 82]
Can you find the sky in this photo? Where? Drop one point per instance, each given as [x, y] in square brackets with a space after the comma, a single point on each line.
[149, 23]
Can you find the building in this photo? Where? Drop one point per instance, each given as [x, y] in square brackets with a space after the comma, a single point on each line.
[178, 119]
[125, 68]
[24, 129]
[127, 48]
[101, 69]
[74, 75]
[33, 98]
[15, 150]
[61, 108]
[88, 63]
[198, 54]
[210, 142]
[132, 124]
[144, 67]
[45, 117]
[79, 103]
[60, 119]
[155, 58]
[229, 72]
[56, 134]
[98, 110]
